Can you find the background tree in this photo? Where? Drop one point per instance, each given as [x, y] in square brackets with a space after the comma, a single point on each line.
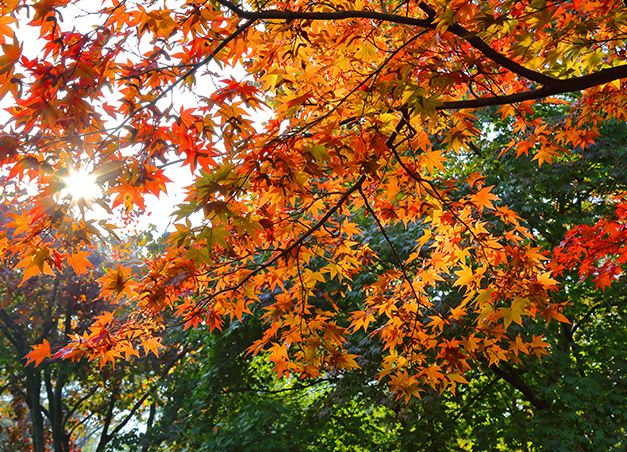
[64, 405]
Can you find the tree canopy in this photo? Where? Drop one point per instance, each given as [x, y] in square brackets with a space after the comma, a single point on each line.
[574, 399]
[305, 127]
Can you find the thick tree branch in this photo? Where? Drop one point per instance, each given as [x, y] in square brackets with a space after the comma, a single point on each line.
[492, 54]
[429, 23]
[277, 14]
[512, 378]
[105, 437]
[551, 86]
[570, 85]
[49, 390]
[151, 418]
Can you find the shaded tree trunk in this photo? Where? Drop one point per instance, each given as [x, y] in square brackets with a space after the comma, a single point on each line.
[60, 438]
[33, 386]
[151, 420]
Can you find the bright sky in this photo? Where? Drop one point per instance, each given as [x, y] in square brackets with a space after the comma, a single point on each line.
[159, 209]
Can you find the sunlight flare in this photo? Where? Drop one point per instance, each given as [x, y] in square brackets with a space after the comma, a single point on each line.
[81, 184]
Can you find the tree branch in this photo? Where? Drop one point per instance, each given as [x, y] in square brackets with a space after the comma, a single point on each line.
[551, 86]
[279, 391]
[490, 53]
[512, 378]
[570, 85]
[105, 437]
[429, 23]
[76, 406]
[49, 322]
[592, 310]
[391, 245]
[151, 418]
[150, 390]
[132, 412]
[7, 326]
[285, 252]
[242, 28]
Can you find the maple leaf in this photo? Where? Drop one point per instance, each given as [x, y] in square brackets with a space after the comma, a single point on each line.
[361, 319]
[38, 353]
[128, 195]
[483, 198]
[346, 361]
[37, 261]
[11, 54]
[279, 356]
[507, 110]
[117, 281]
[20, 223]
[151, 345]
[475, 179]
[518, 345]
[437, 322]
[434, 160]
[128, 350]
[514, 314]
[5, 30]
[79, 262]
[465, 276]
[538, 346]
[405, 385]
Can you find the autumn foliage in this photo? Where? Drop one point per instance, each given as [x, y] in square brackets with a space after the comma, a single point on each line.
[299, 124]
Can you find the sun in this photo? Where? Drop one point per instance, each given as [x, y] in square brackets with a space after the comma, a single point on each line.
[81, 184]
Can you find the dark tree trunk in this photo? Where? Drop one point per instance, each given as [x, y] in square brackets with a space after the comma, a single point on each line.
[151, 419]
[33, 386]
[60, 438]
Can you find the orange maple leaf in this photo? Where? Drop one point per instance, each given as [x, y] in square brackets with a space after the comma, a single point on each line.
[79, 263]
[38, 353]
[483, 198]
[151, 344]
[117, 282]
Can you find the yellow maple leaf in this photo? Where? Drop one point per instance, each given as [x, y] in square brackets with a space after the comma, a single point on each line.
[465, 276]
